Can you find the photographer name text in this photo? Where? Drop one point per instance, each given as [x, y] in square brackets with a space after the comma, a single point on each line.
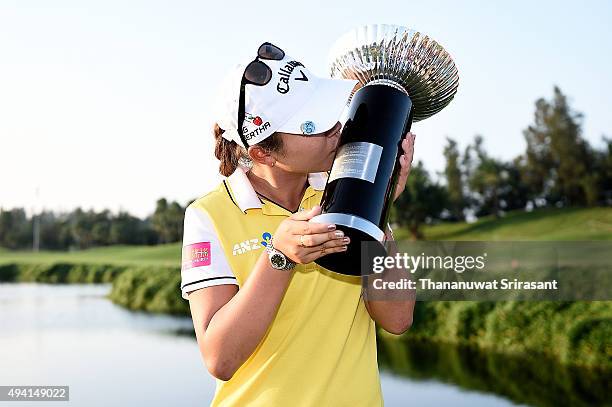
[428, 284]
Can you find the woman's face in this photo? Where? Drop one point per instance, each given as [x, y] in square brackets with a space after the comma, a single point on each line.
[306, 154]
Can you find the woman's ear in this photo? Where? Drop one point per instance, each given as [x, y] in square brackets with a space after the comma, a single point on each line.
[261, 156]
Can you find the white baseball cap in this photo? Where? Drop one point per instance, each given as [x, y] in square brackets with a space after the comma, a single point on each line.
[292, 100]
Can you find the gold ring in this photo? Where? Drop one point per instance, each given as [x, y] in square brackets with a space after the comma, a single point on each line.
[302, 241]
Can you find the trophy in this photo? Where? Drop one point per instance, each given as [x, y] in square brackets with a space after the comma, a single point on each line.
[404, 76]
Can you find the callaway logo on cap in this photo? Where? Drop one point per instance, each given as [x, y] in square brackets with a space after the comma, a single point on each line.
[276, 92]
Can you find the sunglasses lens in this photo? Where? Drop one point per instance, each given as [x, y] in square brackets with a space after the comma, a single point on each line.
[258, 73]
[270, 51]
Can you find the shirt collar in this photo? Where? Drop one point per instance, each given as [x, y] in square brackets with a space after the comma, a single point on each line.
[244, 195]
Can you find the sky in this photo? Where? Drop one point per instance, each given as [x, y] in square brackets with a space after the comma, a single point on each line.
[107, 104]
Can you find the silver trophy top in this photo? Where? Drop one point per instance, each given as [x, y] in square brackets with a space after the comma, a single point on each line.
[398, 57]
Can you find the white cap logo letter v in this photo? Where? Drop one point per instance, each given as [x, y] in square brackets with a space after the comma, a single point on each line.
[303, 78]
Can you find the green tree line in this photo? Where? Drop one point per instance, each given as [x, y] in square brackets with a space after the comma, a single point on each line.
[81, 229]
[558, 168]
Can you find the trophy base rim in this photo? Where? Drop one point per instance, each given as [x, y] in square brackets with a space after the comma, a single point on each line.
[351, 221]
[348, 263]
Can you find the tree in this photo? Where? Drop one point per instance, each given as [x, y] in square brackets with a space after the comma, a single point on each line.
[558, 161]
[605, 164]
[126, 229]
[54, 231]
[485, 180]
[454, 181]
[514, 194]
[159, 220]
[100, 231]
[81, 225]
[167, 221]
[15, 229]
[421, 202]
[496, 185]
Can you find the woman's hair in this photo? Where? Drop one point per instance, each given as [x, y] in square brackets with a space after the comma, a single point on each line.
[230, 154]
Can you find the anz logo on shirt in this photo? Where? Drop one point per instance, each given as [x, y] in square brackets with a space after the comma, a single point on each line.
[252, 244]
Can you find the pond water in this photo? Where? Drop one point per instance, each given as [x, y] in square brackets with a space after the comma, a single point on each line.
[109, 356]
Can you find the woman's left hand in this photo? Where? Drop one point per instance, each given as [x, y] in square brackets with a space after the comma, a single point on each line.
[405, 162]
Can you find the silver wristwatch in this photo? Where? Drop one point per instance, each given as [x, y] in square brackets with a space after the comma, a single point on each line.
[278, 260]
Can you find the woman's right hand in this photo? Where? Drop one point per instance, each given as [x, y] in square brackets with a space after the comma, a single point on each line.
[304, 242]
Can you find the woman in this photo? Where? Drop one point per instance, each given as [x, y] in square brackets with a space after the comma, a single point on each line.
[287, 333]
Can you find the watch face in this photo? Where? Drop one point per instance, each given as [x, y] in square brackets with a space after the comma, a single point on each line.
[278, 261]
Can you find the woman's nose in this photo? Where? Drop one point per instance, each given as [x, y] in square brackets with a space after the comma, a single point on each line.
[335, 131]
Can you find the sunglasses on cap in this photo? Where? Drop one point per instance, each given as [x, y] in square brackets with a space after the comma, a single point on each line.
[259, 74]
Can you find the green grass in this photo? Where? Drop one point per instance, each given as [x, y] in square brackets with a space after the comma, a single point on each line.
[543, 224]
[161, 255]
[60, 273]
[575, 333]
[155, 290]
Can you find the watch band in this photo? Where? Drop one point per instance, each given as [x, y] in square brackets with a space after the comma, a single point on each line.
[289, 264]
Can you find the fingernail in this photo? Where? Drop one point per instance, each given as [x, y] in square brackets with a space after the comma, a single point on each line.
[344, 248]
[331, 227]
[339, 233]
[346, 240]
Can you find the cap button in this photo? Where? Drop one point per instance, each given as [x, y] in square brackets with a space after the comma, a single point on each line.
[307, 127]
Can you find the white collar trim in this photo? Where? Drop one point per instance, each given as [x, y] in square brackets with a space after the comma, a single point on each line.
[245, 195]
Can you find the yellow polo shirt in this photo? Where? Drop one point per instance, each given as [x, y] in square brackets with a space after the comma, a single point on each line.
[320, 349]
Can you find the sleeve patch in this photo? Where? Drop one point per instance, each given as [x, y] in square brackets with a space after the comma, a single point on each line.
[196, 255]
